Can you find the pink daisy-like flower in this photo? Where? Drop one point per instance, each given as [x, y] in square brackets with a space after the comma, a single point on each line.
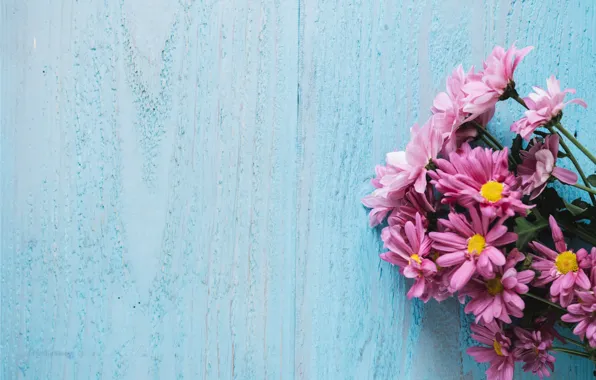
[499, 297]
[589, 263]
[400, 210]
[438, 288]
[473, 247]
[584, 314]
[381, 205]
[539, 165]
[409, 168]
[499, 352]
[403, 171]
[546, 326]
[497, 76]
[562, 266]
[449, 115]
[479, 176]
[409, 251]
[532, 347]
[543, 107]
[413, 203]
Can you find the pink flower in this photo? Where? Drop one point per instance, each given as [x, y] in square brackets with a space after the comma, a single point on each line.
[380, 205]
[532, 347]
[401, 204]
[473, 247]
[449, 104]
[539, 165]
[546, 326]
[498, 297]
[439, 288]
[484, 93]
[409, 168]
[584, 314]
[479, 176]
[590, 264]
[413, 203]
[400, 210]
[499, 352]
[448, 111]
[409, 251]
[562, 266]
[544, 106]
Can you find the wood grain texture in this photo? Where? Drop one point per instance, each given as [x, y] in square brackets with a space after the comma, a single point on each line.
[181, 181]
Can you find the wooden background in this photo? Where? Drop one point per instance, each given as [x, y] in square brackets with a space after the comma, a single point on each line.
[181, 180]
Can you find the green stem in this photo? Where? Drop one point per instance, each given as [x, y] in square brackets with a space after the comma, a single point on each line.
[545, 301]
[515, 96]
[488, 142]
[488, 135]
[585, 188]
[571, 352]
[577, 343]
[575, 142]
[491, 140]
[586, 236]
[576, 164]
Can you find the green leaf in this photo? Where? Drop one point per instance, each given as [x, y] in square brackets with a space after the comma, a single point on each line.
[592, 179]
[580, 203]
[574, 209]
[549, 202]
[516, 146]
[527, 231]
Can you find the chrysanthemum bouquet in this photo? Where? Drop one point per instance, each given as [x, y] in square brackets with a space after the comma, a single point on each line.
[465, 216]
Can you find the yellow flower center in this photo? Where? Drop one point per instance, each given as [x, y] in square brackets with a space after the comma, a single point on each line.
[492, 191]
[494, 286]
[497, 347]
[416, 258]
[476, 244]
[566, 262]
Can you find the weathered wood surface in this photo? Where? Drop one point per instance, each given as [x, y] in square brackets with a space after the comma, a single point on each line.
[181, 181]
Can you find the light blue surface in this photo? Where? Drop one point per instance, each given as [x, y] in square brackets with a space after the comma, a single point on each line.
[181, 181]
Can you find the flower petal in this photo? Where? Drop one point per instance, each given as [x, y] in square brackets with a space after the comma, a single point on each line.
[463, 274]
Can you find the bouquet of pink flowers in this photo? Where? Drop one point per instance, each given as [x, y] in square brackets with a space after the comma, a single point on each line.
[465, 216]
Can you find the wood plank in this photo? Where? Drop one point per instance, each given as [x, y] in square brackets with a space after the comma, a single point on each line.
[181, 181]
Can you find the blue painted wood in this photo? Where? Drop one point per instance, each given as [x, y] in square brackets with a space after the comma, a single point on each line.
[180, 181]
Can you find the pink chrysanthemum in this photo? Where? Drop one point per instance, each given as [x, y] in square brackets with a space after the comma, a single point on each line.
[584, 314]
[532, 347]
[380, 205]
[499, 297]
[479, 176]
[473, 247]
[546, 325]
[438, 288]
[539, 165]
[409, 168]
[589, 263]
[562, 266]
[448, 111]
[543, 107]
[499, 352]
[409, 249]
[400, 210]
[413, 203]
[400, 206]
[484, 93]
